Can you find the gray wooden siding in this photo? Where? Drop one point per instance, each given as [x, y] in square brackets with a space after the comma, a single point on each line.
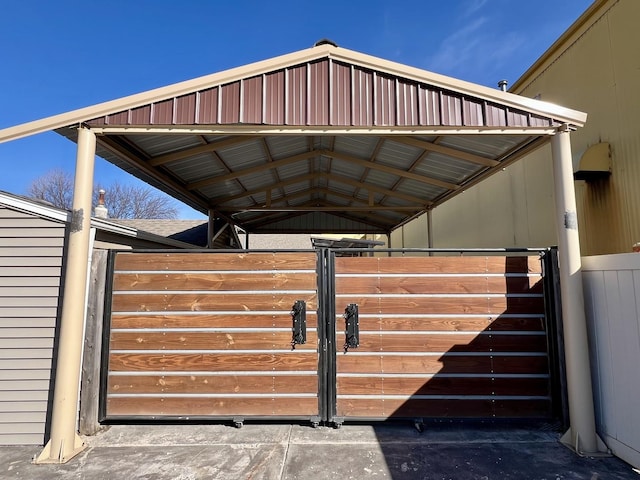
[31, 251]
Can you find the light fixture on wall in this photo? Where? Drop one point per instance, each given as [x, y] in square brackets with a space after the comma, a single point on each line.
[595, 163]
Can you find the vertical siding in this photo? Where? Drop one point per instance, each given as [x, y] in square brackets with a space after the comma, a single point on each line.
[252, 100]
[208, 106]
[31, 252]
[297, 96]
[341, 95]
[612, 306]
[362, 97]
[274, 101]
[318, 93]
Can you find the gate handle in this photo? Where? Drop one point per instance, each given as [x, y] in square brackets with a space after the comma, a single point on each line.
[352, 332]
[299, 314]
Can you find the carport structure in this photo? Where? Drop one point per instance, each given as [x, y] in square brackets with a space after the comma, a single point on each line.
[324, 140]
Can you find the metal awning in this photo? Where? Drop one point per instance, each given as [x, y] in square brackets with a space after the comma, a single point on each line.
[325, 140]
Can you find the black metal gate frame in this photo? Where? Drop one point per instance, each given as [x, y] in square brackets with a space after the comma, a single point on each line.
[326, 331]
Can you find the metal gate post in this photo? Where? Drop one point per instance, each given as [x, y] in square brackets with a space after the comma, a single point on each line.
[329, 321]
[582, 434]
[555, 336]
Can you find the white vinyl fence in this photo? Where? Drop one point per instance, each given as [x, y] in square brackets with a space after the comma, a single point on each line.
[612, 305]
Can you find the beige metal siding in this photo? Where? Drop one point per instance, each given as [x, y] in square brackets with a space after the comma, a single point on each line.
[31, 251]
[598, 73]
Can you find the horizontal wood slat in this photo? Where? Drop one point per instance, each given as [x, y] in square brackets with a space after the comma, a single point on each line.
[158, 302]
[215, 261]
[207, 321]
[460, 285]
[438, 385]
[453, 342]
[433, 364]
[437, 264]
[206, 362]
[208, 341]
[452, 324]
[227, 384]
[225, 406]
[443, 305]
[388, 408]
[208, 302]
[214, 281]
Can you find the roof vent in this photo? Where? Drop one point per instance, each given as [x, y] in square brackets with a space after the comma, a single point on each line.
[325, 41]
[502, 85]
[101, 211]
[595, 163]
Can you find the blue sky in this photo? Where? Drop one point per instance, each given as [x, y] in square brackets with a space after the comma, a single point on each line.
[56, 56]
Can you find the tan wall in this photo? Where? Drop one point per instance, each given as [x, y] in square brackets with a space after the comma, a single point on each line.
[598, 74]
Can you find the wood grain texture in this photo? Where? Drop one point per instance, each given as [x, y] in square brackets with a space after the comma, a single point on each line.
[215, 261]
[214, 281]
[212, 406]
[208, 341]
[438, 264]
[450, 342]
[209, 302]
[443, 305]
[433, 364]
[393, 408]
[460, 285]
[227, 384]
[439, 385]
[295, 361]
[450, 324]
[207, 321]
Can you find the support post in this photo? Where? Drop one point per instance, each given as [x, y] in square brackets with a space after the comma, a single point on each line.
[65, 443]
[581, 435]
[389, 242]
[430, 230]
[211, 228]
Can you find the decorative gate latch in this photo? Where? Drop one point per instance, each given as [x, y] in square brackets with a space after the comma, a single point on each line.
[352, 331]
[299, 314]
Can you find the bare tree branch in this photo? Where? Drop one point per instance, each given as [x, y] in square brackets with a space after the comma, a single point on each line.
[122, 200]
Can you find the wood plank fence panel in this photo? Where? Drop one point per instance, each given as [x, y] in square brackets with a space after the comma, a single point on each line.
[210, 334]
[443, 336]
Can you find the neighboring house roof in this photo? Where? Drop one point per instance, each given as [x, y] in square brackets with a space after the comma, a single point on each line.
[188, 231]
[44, 210]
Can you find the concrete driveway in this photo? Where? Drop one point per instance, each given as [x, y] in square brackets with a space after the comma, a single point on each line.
[380, 451]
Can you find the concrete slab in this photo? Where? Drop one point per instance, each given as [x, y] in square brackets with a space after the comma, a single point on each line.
[279, 452]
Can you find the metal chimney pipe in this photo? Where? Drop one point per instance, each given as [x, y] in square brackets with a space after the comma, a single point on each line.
[502, 85]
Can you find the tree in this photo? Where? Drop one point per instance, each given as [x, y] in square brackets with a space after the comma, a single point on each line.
[122, 200]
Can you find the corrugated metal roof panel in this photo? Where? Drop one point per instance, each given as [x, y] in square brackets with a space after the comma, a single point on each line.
[446, 168]
[252, 100]
[341, 94]
[154, 145]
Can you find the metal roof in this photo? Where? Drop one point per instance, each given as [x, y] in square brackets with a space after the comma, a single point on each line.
[322, 140]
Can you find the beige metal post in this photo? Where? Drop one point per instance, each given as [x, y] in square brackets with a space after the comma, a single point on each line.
[211, 228]
[581, 435]
[430, 230]
[65, 443]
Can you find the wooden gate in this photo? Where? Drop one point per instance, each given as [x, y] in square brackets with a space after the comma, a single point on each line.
[195, 335]
[209, 335]
[441, 337]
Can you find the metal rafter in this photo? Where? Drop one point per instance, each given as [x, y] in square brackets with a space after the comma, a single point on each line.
[190, 152]
[451, 152]
[251, 170]
[394, 171]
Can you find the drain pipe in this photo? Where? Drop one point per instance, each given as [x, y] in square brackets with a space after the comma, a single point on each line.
[65, 443]
[581, 435]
